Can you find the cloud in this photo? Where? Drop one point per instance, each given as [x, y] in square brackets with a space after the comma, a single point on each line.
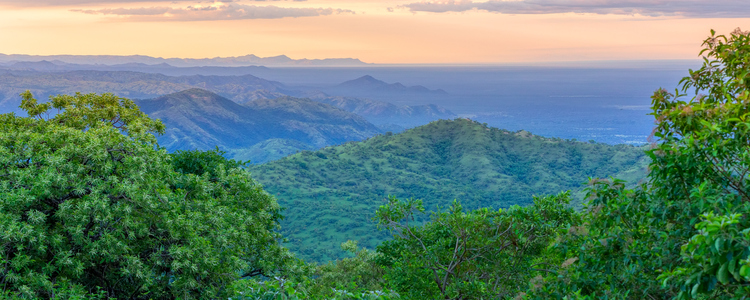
[219, 11]
[38, 3]
[653, 8]
[43, 3]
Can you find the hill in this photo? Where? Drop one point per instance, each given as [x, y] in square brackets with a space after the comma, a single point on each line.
[199, 119]
[238, 88]
[368, 86]
[383, 113]
[331, 194]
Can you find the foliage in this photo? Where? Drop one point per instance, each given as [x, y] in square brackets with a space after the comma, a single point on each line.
[282, 289]
[358, 274]
[332, 193]
[685, 234]
[90, 205]
[203, 162]
[468, 255]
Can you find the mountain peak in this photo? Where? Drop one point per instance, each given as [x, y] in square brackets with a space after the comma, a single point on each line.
[367, 82]
[368, 78]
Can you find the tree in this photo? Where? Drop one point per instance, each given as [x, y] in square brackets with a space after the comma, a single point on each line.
[468, 255]
[91, 206]
[684, 235]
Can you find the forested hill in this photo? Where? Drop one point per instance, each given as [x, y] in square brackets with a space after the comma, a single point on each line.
[331, 194]
[199, 119]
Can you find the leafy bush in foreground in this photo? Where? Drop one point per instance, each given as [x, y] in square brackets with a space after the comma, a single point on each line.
[685, 234]
[90, 207]
[480, 254]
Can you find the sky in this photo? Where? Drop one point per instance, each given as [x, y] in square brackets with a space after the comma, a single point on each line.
[384, 31]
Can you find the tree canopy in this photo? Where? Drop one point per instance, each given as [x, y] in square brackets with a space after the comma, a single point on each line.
[91, 206]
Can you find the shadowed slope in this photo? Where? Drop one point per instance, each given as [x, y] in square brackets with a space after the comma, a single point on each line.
[198, 119]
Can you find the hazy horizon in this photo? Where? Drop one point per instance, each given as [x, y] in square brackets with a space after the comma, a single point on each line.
[382, 32]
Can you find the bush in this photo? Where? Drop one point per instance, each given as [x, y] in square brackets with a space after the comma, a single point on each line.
[89, 205]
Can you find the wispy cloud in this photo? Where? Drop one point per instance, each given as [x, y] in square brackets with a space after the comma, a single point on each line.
[653, 8]
[41, 3]
[217, 11]
[37, 3]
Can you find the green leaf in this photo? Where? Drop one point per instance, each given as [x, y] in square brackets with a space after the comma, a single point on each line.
[745, 271]
[723, 274]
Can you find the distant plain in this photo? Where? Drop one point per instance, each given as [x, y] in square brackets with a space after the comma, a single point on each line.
[608, 102]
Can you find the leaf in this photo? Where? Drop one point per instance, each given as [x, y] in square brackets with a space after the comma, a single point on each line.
[723, 274]
[718, 243]
[744, 271]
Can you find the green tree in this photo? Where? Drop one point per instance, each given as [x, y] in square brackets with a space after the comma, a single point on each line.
[480, 254]
[91, 206]
[684, 235]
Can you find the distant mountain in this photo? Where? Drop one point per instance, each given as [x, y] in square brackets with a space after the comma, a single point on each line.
[331, 194]
[384, 114]
[199, 119]
[368, 83]
[396, 93]
[161, 68]
[247, 60]
[240, 89]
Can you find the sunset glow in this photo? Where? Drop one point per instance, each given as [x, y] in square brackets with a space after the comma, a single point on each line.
[373, 31]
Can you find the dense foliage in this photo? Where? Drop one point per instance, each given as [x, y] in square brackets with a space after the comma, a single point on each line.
[332, 193]
[481, 254]
[684, 235]
[89, 205]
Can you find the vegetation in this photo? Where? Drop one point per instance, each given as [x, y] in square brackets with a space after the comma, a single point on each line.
[684, 235]
[332, 193]
[90, 205]
[468, 255]
[92, 208]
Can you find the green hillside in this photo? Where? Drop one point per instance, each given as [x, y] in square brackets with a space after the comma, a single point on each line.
[331, 194]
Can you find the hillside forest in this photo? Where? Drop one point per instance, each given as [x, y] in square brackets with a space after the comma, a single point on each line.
[92, 206]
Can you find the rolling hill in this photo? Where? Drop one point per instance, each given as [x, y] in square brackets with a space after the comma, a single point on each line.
[134, 85]
[372, 88]
[241, 89]
[383, 113]
[331, 194]
[199, 119]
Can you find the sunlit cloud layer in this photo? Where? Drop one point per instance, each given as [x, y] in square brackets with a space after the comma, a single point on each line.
[651, 8]
[218, 11]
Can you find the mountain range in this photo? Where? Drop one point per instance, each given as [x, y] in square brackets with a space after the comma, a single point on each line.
[261, 130]
[162, 68]
[246, 60]
[239, 88]
[372, 88]
[331, 194]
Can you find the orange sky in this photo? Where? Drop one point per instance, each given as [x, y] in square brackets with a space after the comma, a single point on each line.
[361, 29]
